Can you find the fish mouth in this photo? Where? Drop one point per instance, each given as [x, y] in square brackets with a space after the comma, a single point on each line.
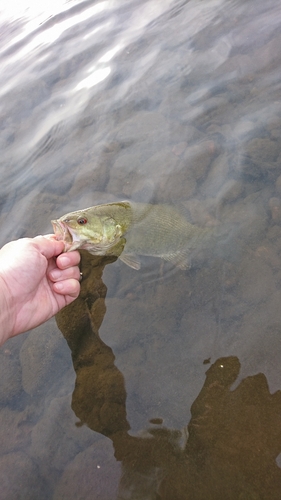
[97, 244]
[63, 233]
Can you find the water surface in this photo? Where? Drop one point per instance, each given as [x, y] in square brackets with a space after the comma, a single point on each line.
[158, 383]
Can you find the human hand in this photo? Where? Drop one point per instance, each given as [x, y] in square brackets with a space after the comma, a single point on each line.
[36, 281]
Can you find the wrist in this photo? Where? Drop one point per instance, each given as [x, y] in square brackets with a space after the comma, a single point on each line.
[6, 312]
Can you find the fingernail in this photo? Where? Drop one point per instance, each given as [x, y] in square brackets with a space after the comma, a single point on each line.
[55, 274]
[64, 260]
[59, 285]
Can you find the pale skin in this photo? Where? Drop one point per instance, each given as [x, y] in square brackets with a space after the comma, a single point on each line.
[36, 281]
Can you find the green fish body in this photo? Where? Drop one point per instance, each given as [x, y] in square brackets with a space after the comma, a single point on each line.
[128, 230]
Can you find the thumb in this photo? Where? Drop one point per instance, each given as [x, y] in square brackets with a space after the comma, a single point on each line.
[49, 247]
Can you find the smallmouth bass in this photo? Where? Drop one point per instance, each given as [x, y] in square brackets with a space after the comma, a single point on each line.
[128, 230]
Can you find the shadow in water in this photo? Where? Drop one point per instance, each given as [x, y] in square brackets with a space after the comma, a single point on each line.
[229, 448]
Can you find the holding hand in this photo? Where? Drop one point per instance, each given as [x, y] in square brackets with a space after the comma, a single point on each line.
[36, 281]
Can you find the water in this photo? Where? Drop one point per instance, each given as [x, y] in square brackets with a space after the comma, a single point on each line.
[161, 102]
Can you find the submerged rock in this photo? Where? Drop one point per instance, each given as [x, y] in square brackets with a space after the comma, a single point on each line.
[94, 473]
[20, 478]
[44, 358]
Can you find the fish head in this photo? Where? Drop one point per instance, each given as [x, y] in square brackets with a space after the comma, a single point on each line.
[87, 230]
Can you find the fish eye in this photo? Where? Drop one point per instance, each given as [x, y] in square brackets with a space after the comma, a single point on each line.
[82, 221]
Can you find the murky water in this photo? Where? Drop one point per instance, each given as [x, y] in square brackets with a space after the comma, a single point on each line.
[157, 383]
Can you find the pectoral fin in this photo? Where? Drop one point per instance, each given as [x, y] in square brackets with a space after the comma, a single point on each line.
[131, 260]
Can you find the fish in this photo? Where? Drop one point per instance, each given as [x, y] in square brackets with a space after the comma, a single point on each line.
[129, 230]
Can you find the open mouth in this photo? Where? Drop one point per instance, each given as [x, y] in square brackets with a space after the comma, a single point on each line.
[71, 239]
[62, 233]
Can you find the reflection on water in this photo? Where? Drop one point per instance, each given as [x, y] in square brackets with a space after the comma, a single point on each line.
[232, 439]
[163, 102]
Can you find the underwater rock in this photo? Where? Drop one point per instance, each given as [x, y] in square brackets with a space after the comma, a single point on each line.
[259, 157]
[275, 208]
[10, 376]
[125, 175]
[198, 158]
[16, 429]
[56, 439]
[20, 479]
[44, 357]
[256, 280]
[145, 125]
[94, 473]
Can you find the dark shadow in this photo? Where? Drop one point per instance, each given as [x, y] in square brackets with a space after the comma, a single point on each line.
[227, 451]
